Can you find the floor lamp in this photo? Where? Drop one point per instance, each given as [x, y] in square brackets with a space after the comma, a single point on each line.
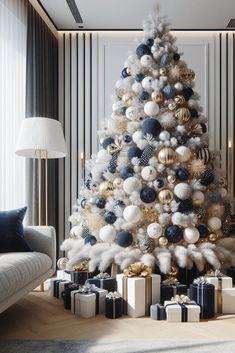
[41, 138]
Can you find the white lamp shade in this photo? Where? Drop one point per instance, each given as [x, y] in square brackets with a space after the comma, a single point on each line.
[41, 134]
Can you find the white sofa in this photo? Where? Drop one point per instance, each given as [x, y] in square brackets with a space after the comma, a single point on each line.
[21, 272]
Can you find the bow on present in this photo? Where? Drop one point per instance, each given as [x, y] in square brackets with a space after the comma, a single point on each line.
[138, 269]
[201, 280]
[171, 281]
[180, 299]
[87, 288]
[81, 266]
[113, 295]
[102, 275]
[115, 147]
[215, 273]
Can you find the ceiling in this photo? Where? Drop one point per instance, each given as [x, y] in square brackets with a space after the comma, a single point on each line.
[129, 14]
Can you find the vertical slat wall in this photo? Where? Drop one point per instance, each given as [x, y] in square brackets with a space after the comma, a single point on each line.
[84, 67]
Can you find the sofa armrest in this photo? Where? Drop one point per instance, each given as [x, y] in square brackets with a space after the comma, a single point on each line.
[42, 239]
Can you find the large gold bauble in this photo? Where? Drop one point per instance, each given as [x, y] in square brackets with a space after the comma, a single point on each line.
[216, 210]
[166, 156]
[117, 183]
[128, 98]
[165, 196]
[183, 115]
[106, 188]
[180, 100]
[163, 71]
[186, 74]
[174, 271]
[171, 179]
[162, 241]
[157, 97]
[213, 237]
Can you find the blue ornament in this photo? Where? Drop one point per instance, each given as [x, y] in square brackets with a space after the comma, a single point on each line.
[110, 217]
[139, 77]
[144, 96]
[100, 203]
[134, 151]
[90, 239]
[83, 203]
[123, 110]
[174, 234]
[119, 203]
[193, 113]
[125, 73]
[185, 206]
[215, 196]
[152, 127]
[126, 172]
[169, 91]
[187, 93]
[204, 128]
[182, 139]
[159, 183]
[176, 57]
[127, 138]
[207, 178]
[124, 239]
[107, 141]
[148, 195]
[150, 42]
[203, 231]
[182, 174]
[111, 169]
[143, 49]
[165, 60]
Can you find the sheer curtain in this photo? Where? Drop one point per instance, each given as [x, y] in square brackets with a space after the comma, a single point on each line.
[13, 31]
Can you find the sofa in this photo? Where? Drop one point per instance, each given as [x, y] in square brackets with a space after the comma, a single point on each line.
[21, 272]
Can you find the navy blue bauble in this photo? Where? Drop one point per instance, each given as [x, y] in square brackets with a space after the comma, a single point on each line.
[123, 110]
[107, 141]
[169, 91]
[148, 195]
[160, 183]
[126, 172]
[165, 60]
[185, 206]
[139, 77]
[176, 57]
[90, 239]
[203, 231]
[182, 139]
[144, 96]
[143, 49]
[134, 151]
[215, 196]
[150, 42]
[151, 126]
[110, 217]
[174, 234]
[125, 73]
[124, 239]
[194, 113]
[127, 138]
[204, 128]
[119, 203]
[182, 174]
[83, 203]
[187, 93]
[100, 203]
[111, 169]
[207, 178]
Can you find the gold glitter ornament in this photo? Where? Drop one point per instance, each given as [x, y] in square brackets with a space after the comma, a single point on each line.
[165, 196]
[121, 128]
[216, 210]
[186, 74]
[163, 71]
[183, 115]
[106, 188]
[196, 168]
[117, 183]
[166, 156]
[179, 100]
[162, 241]
[174, 271]
[128, 98]
[213, 237]
[171, 179]
[149, 214]
[157, 97]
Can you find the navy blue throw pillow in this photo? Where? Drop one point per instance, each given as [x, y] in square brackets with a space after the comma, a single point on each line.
[12, 231]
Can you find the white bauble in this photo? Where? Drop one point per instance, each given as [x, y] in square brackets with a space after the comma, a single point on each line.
[151, 108]
[223, 192]
[155, 73]
[137, 87]
[193, 104]
[214, 223]
[119, 84]
[183, 154]
[131, 184]
[107, 233]
[149, 173]
[137, 136]
[146, 61]
[147, 83]
[154, 230]
[132, 214]
[198, 198]
[183, 191]
[191, 235]
[132, 113]
[164, 135]
[178, 86]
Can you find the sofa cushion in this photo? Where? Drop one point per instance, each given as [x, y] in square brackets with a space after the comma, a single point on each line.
[12, 232]
[19, 269]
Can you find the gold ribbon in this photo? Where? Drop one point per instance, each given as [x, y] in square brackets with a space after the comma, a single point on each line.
[115, 147]
[81, 266]
[216, 273]
[180, 299]
[138, 269]
[171, 281]
[219, 296]
[124, 283]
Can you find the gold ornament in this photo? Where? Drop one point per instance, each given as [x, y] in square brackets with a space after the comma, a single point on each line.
[149, 214]
[163, 71]
[180, 100]
[166, 156]
[157, 97]
[121, 128]
[117, 183]
[81, 266]
[183, 115]
[171, 179]
[204, 154]
[147, 245]
[162, 241]
[194, 129]
[62, 262]
[216, 210]
[165, 196]
[197, 168]
[106, 188]
[174, 271]
[138, 269]
[186, 74]
[172, 106]
[127, 99]
[115, 147]
[213, 237]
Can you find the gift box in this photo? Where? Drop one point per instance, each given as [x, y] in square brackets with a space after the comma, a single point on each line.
[103, 280]
[113, 305]
[62, 274]
[227, 301]
[170, 288]
[181, 310]
[231, 273]
[157, 312]
[62, 286]
[219, 280]
[54, 287]
[203, 293]
[79, 277]
[66, 295]
[138, 293]
[88, 301]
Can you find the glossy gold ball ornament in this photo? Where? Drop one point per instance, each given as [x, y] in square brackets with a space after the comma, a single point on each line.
[216, 210]
[117, 183]
[172, 106]
[213, 237]
[106, 188]
[171, 179]
[165, 196]
[166, 156]
[179, 100]
[163, 71]
[186, 74]
[174, 271]
[183, 115]
[157, 97]
[162, 241]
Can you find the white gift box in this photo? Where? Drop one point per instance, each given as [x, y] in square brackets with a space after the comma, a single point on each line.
[227, 301]
[85, 305]
[53, 290]
[135, 294]
[226, 282]
[62, 286]
[174, 312]
[61, 274]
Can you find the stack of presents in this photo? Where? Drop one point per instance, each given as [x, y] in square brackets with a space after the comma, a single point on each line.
[137, 292]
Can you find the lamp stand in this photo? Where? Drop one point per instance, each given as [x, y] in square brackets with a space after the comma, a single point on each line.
[40, 154]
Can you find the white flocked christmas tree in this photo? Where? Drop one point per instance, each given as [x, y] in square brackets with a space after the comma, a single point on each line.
[154, 191]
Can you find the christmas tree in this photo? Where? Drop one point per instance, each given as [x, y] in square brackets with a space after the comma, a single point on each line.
[154, 192]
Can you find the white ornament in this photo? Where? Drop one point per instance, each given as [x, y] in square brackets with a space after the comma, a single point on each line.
[214, 223]
[192, 103]
[119, 84]
[146, 61]
[137, 136]
[178, 86]
[147, 83]
[132, 113]
[137, 87]
[223, 192]
[107, 233]
[198, 198]
[164, 135]
[149, 173]
[151, 108]
[132, 214]
[131, 184]
[183, 191]
[183, 154]
[154, 230]
[155, 73]
[191, 235]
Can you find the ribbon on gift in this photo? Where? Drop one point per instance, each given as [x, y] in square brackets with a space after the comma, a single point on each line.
[183, 301]
[102, 275]
[200, 280]
[171, 281]
[81, 266]
[115, 147]
[138, 269]
[89, 289]
[215, 273]
[219, 275]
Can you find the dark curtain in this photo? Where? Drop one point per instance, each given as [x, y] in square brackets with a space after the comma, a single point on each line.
[42, 101]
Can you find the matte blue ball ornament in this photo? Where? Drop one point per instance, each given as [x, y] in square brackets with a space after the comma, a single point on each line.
[123, 110]
[203, 231]
[181, 139]
[148, 195]
[125, 73]
[215, 196]
[127, 138]
[185, 206]
[187, 93]
[176, 57]
[134, 151]
[126, 172]
[119, 203]
[152, 127]
[182, 174]
[90, 239]
[143, 49]
[100, 203]
[150, 42]
[107, 141]
[144, 96]
[124, 239]
[111, 169]
[110, 217]
[165, 60]
[174, 234]
[169, 91]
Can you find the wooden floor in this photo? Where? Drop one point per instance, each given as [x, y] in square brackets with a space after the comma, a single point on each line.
[39, 316]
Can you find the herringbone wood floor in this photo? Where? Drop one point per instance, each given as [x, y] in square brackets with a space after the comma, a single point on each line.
[40, 316]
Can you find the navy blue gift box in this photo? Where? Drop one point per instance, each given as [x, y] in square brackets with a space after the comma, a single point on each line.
[56, 287]
[113, 307]
[204, 295]
[105, 283]
[231, 273]
[66, 295]
[79, 277]
[157, 312]
[169, 291]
